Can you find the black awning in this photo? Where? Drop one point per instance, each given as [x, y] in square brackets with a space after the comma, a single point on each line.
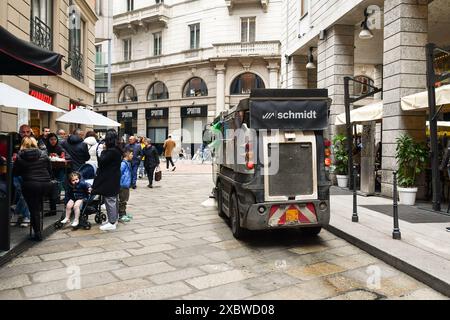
[19, 57]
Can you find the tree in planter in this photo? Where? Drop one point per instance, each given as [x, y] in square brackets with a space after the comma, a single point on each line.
[340, 154]
[411, 158]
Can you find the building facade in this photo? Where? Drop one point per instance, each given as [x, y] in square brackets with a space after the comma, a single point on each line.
[177, 64]
[392, 56]
[46, 23]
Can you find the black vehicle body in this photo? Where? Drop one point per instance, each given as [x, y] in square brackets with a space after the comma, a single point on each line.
[283, 124]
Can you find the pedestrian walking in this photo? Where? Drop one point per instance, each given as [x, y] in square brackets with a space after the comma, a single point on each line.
[141, 172]
[107, 181]
[151, 161]
[33, 165]
[169, 146]
[125, 183]
[134, 147]
[77, 149]
[77, 192]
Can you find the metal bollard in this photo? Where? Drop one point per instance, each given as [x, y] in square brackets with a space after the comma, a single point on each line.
[396, 234]
[355, 217]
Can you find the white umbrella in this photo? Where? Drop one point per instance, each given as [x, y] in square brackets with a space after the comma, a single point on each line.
[12, 98]
[370, 112]
[419, 101]
[87, 117]
[440, 123]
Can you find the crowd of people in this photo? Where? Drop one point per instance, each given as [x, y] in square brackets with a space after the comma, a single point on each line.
[117, 166]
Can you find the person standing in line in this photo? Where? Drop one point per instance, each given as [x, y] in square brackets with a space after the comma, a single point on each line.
[43, 139]
[61, 135]
[151, 161]
[77, 149]
[169, 146]
[125, 183]
[33, 165]
[91, 141]
[134, 147]
[107, 181]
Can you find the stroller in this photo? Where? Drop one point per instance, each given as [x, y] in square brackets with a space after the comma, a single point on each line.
[90, 206]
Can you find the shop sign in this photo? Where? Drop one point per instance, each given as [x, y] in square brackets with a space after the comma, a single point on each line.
[197, 111]
[41, 96]
[162, 113]
[121, 115]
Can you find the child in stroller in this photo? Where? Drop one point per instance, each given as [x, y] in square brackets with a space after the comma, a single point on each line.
[79, 199]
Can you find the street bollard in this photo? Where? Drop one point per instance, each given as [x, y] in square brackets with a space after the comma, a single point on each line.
[396, 234]
[355, 217]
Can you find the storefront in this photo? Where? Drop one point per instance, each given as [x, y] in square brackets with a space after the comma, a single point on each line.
[40, 119]
[128, 123]
[193, 120]
[157, 126]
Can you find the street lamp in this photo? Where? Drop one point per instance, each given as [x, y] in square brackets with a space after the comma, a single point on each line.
[311, 64]
[365, 33]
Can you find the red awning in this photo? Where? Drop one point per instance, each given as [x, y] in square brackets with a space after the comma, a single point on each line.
[19, 57]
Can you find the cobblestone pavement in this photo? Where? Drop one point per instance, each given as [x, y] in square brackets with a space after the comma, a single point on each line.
[178, 248]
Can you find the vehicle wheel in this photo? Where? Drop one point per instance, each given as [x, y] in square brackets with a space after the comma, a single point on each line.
[235, 219]
[220, 201]
[311, 232]
[98, 219]
[87, 226]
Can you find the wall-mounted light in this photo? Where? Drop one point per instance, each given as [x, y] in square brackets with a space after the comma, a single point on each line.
[365, 33]
[311, 64]
[288, 58]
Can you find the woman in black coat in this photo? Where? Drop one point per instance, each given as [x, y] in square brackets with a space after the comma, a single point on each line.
[151, 161]
[107, 181]
[34, 166]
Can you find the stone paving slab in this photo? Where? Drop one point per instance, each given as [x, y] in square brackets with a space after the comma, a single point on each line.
[177, 248]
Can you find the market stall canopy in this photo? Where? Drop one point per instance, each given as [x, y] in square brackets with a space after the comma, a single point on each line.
[419, 101]
[12, 98]
[87, 117]
[370, 112]
[19, 57]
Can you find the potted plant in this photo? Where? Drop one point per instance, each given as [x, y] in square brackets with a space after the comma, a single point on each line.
[340, 164]
[411, 158]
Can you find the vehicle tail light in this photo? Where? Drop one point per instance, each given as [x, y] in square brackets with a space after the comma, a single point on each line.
[327, 144]
[250, 164]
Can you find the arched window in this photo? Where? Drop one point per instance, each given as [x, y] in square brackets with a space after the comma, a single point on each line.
[158, 91]
[128, 94]
[364, 87]
[195, 87]
[244, 83]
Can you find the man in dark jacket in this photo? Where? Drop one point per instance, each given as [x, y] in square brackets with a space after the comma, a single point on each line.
[77, 149]
[151, 161]
[134, 147]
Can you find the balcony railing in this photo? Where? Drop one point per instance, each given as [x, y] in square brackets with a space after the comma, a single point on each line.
[156, 14]
[41, 34]
[77, 65]
[260, 48]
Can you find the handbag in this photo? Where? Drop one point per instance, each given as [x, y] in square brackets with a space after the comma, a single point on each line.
[158, 174]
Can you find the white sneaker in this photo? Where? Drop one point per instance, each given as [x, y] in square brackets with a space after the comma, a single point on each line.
[65, 221]
[75, 224]
[108, 227]
[25, 223]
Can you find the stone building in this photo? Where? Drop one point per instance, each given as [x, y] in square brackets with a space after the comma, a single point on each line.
[391, 55]
[177, 64]
[46, 24]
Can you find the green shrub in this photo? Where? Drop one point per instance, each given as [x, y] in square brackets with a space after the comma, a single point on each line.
[340, 155]
[411, 158]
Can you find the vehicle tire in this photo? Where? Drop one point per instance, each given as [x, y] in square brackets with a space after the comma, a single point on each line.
[220, 200]
[235, 219]
[311, 232]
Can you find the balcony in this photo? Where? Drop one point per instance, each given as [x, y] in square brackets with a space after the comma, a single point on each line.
[77, 65]
[245, 49]
[231, 4]
[41, 34]
[130, 22]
